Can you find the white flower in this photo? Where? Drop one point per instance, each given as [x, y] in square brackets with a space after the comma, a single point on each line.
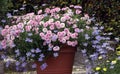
[62, 25]
[51, 20]
[44, 30]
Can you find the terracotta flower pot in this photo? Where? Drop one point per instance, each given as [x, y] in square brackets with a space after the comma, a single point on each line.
[60, 65]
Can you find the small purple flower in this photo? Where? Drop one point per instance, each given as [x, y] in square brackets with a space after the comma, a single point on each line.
[23, 64]
[7, 64]
[42, 55]
[8, 15]
[85, 44]
[30, 34]
[84, 51]
[17, 68]
[33, 55]
[28, 40]
[3, 21]
[40, 59]
[28, 54]
[17, 63]
[38, 50]
[95, 32]
[104, 44]
[15, 11]
[87, 36]
[22, 8]
[49, 49]
[95, 42]
[3, 56]
[43, 66]
[22, 59]
[98, 38]
[94, 56]
[34, 65]
[102, 27]
[55, 54]
[17, 52]
[32, 50]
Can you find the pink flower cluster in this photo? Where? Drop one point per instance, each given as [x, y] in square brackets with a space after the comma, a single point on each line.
[51, 25]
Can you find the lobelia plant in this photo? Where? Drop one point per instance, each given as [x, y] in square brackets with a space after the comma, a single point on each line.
[38, 37]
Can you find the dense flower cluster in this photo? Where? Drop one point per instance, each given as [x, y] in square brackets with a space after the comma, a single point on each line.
[35, 37]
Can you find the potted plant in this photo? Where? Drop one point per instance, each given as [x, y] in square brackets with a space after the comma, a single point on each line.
[51, 38]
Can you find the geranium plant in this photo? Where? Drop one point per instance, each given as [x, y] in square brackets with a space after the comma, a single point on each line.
[38, 37]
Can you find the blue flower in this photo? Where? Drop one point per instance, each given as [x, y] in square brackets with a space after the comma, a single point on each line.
[87, 36]
[28, 54]
[33, 55]
[7, 63]
[43, 66]
[28, 40]
[40, 59]
[23, 64]
[17, 63]
[22, 59]
[37, 50]
[55, 54]
[32, 50]
[8, 15]
[34, 65]
[42, 55]
[30, 34]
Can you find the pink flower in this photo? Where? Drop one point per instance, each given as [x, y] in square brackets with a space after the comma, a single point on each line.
[67, 17]
[63, 19]
[7, 26]
[40, 11]
[52, 27]
[69, 43]
[56, 48]
[74, 43]
[86, 16]
[33, 23]
[45, 24]
[28, 28]
[50, 45]
[4, 32]
[57, 9]
[62, 25]
[63, 40]
[3, 44]
[78, 11]
[58, 26]
[78, 7]
[66, 30]
[67, 37]
[74, 35]
[20, 25]
[77, 30]
[74, 26]
[42, 35]
[71, 5]
[36, 30]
